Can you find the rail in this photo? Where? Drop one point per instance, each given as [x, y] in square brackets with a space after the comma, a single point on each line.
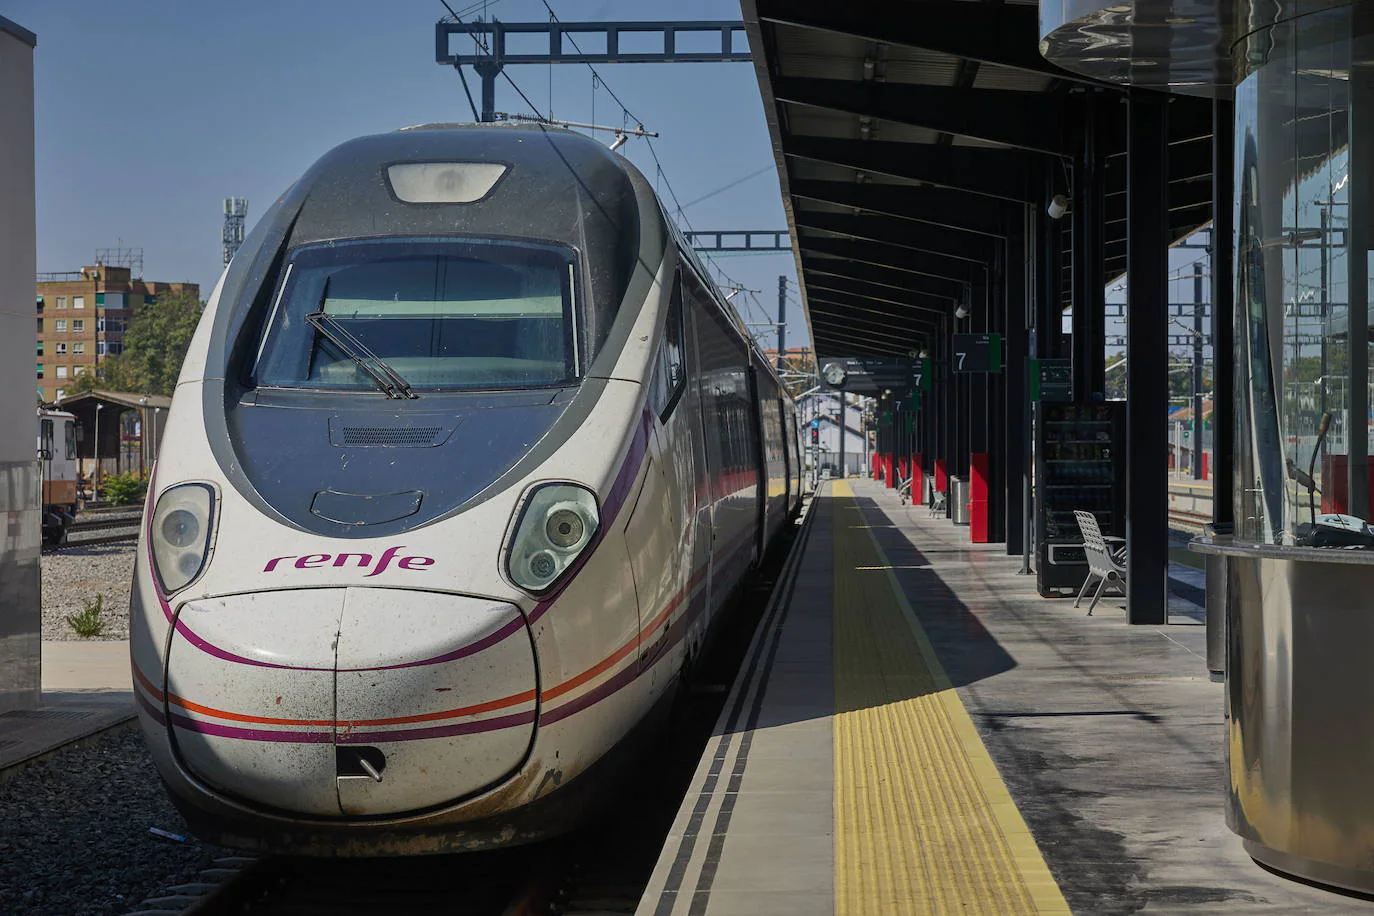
[102, 526]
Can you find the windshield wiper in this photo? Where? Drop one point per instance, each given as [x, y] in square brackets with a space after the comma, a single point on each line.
[388, 379]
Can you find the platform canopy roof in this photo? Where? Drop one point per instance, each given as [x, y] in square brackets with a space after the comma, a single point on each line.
[127, 399]
[911, 135]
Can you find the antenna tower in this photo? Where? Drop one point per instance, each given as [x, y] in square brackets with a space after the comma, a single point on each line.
[131, 258]
[235, 212]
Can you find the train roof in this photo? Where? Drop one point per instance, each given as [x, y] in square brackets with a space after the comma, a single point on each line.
[548, 183]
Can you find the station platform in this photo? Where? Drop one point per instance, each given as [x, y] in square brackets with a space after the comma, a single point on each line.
[86, 693]
[915, 730]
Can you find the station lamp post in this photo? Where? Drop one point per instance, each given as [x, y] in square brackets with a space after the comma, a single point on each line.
[95, 477]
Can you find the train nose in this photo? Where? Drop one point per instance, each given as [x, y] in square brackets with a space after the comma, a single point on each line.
[350, 701]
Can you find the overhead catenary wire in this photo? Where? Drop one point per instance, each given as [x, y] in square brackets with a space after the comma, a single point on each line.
[723, 188]
[661, 176]
[723, 279]
[474, 7]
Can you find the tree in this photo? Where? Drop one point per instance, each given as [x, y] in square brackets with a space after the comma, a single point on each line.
[86, 381]
[155, 345]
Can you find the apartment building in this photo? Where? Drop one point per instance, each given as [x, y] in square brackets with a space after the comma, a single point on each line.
[82, 317]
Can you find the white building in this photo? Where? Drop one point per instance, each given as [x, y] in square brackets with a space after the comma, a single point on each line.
[823, 409]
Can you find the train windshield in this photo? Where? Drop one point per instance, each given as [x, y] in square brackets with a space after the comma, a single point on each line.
[434, 313]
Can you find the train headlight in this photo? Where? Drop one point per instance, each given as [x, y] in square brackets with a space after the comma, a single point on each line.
[181, 534]
[557, 523]
[565, 527]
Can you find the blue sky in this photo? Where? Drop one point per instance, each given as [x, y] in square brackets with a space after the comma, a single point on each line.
[150, 112]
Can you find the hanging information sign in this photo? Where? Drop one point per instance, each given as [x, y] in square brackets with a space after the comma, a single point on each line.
[977, 353]
[1051, 380]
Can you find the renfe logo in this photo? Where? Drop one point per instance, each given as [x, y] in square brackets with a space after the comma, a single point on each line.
[360, 560]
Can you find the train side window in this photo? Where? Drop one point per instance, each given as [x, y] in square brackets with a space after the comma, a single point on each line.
[671, 369]
[674, 349]
[70, 434]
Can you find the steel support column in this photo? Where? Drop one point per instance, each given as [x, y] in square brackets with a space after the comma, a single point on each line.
[1089, 297]
[944, 395]
[1147, 388]
[844, 411]
[1195, 453]
[1223, 316]
[1049, 292]
[782, 323]
[1020, 255]
[488, 71]
[979, 417]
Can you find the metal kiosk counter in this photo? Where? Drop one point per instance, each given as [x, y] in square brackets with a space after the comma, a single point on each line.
[1299, 708]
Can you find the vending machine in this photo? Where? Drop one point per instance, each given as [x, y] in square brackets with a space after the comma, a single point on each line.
[1080, 463]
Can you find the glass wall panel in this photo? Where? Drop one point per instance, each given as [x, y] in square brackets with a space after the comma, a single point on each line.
[1299, 390]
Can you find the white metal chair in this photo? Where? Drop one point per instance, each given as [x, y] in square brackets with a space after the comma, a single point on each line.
[904, 489]
[1104, 563]
[937, 502]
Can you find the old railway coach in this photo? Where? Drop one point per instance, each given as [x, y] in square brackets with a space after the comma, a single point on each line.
[466, 457]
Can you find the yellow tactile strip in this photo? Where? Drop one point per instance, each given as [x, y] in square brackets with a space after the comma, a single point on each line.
[923, 821]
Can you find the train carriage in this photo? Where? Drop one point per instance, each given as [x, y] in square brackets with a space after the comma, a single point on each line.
[57, 461]
[465, 459]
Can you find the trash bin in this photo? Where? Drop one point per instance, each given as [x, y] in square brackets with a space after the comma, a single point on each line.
[958, 497]
[1216, 607]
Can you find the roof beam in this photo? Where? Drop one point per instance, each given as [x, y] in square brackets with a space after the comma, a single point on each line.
[881, 276]
[889, 326]
[907, 260]
[844, 328]
[1000, 173]
[842, 345]
[1026, 120]
[887, 317]
[843, 325]
[1004, 35]
[906, 334]
[907, 298]
[903, 233]
[922, 203]
[1189, 161]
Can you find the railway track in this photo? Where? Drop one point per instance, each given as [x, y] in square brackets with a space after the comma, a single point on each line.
[501, 883]
[1191, 522]
[102, 526]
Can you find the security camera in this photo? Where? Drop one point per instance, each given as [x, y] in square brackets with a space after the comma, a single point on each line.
[961, 312]
[1059, 205]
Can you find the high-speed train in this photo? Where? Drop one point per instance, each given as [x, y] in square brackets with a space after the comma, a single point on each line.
[466, 457]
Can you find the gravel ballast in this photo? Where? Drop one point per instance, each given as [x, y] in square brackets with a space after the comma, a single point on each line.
[74, 837]
[75, 575]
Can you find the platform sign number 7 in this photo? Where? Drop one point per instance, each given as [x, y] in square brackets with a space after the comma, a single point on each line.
[977, 352]
[920, 374]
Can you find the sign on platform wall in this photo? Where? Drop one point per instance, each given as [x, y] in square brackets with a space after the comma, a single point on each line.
[1051, 380]
[977, 353]
[874, 375]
